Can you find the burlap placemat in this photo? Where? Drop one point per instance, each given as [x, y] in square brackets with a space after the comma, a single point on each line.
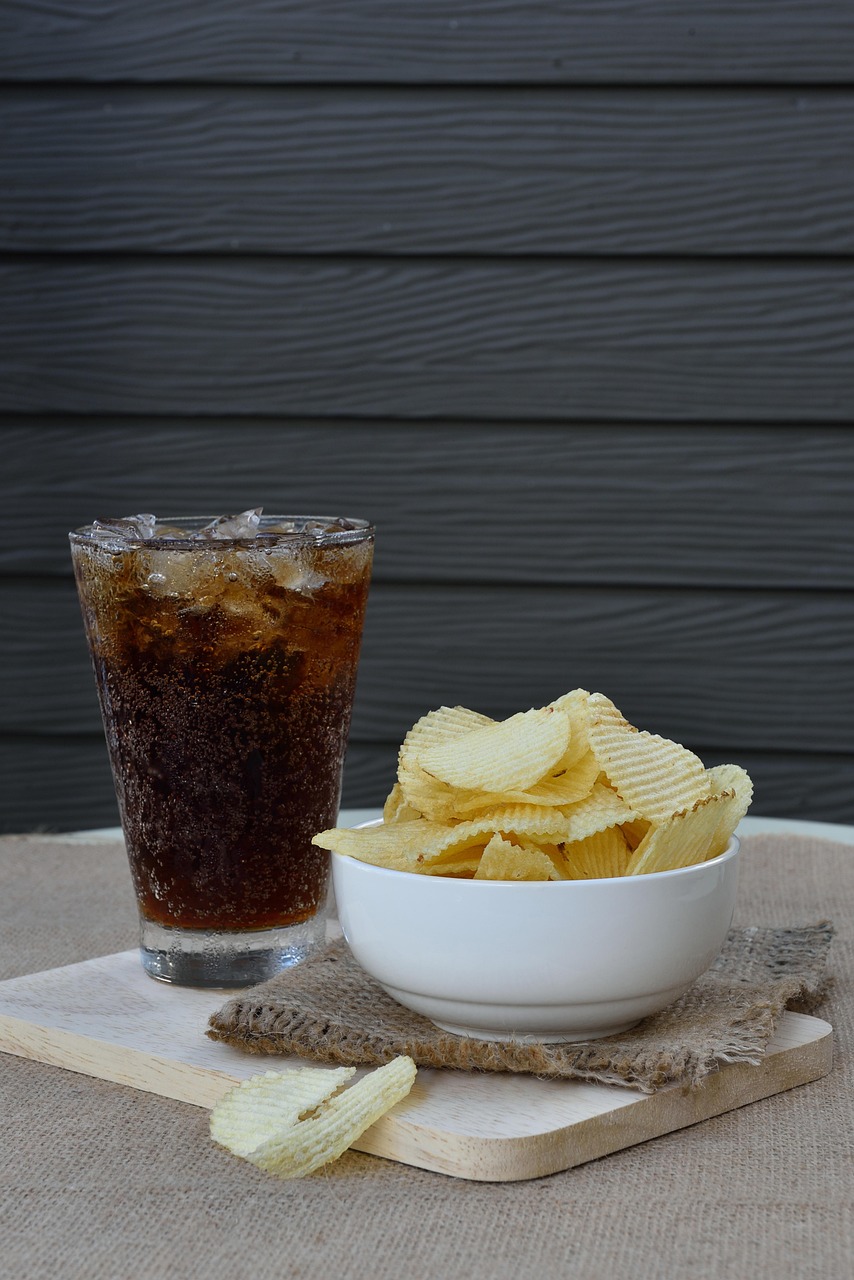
[328, 1009]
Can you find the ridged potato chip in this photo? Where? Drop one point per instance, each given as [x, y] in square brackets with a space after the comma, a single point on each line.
[655, 776]
[575, 705]
[602, 809]
[397, 808]
[635, 831]
[730, 780]
[270, 1126]
[403, 846]
[413, 846]
[572, 784]
[248, 1114]
[510, 756]
[440, 726]
[685, 838]
[431, 797]
[463, 865]
[600, 856]
[505, 861]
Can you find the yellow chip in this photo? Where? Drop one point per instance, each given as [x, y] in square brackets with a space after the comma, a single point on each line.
[684, 839]
[397, 808]
[510, 756]
[290, 1146]
[572, 784]
[440, 726]
[402, 846]
[575, 705]
[504, 861]
[461, 866]
[412, 846]
[246, 1116]
[635, 831]
[600, 856]
[655, 776]
[602, 809]
[730, 778]
[434, 799]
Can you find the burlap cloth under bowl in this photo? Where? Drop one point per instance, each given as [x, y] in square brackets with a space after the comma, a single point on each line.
[328, 1009]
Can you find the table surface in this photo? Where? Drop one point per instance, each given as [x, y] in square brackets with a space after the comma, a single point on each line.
[101, 1181]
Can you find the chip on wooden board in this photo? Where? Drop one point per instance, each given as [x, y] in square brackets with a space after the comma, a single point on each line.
[569, 791]
[292, 1122]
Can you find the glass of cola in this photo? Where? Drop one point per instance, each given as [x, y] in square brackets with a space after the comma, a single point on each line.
[225, 653]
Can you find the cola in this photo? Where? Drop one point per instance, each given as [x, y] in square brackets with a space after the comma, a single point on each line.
[225, 652]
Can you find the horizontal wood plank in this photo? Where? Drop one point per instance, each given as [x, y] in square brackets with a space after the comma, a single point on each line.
[64, 784]
[425, 170]
[508, 503]
[503, 41]
[727, 669]
[604, 340]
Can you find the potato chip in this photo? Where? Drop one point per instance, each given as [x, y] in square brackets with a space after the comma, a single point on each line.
[683, 839]
[505, 861]
[462, 864]
[420, 791]
[412, 846]
[602, 809]
[555, 791]
[575, 705]
[402, 846]
[438, 727]
[655, 776]
[432, 798]
[599, 856]
[290, 1146]
[247, 1115]
[397, 808]
[635, 831]
[732, 780]
[510, 756]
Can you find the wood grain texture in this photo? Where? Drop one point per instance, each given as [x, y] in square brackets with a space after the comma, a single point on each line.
[730, 670]
[735, 341]
[425, 170]
[465, 502]
[503, 41]
[64, 784]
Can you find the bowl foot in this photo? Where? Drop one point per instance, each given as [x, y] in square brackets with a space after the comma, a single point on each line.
[535, 1037]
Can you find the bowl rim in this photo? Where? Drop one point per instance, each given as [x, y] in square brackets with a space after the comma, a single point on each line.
[730, 852]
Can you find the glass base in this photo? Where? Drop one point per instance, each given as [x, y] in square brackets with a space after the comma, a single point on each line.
[217, 958]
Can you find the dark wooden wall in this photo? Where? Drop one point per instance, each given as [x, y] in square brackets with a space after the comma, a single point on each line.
[560, 295]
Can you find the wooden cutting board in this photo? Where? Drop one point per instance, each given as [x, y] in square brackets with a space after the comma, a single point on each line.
[106, 1018]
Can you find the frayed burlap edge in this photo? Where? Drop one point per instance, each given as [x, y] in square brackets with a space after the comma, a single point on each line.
[329, 1010]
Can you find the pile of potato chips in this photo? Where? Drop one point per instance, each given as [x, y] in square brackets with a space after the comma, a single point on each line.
[570, 791]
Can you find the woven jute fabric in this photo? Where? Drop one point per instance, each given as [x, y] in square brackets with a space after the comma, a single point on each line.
[328, 1009]
[102, 1182]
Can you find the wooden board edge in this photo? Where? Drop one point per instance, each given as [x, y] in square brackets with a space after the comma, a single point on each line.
[199, 1086]
[650, 1116]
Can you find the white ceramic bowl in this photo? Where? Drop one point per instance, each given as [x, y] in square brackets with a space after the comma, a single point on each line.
[556, 960]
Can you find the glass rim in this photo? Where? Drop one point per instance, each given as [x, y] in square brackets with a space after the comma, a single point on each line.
[361, 531]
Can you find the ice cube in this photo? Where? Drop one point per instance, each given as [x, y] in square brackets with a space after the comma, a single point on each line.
[321, 528]
[124, 529]
[225, 528]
